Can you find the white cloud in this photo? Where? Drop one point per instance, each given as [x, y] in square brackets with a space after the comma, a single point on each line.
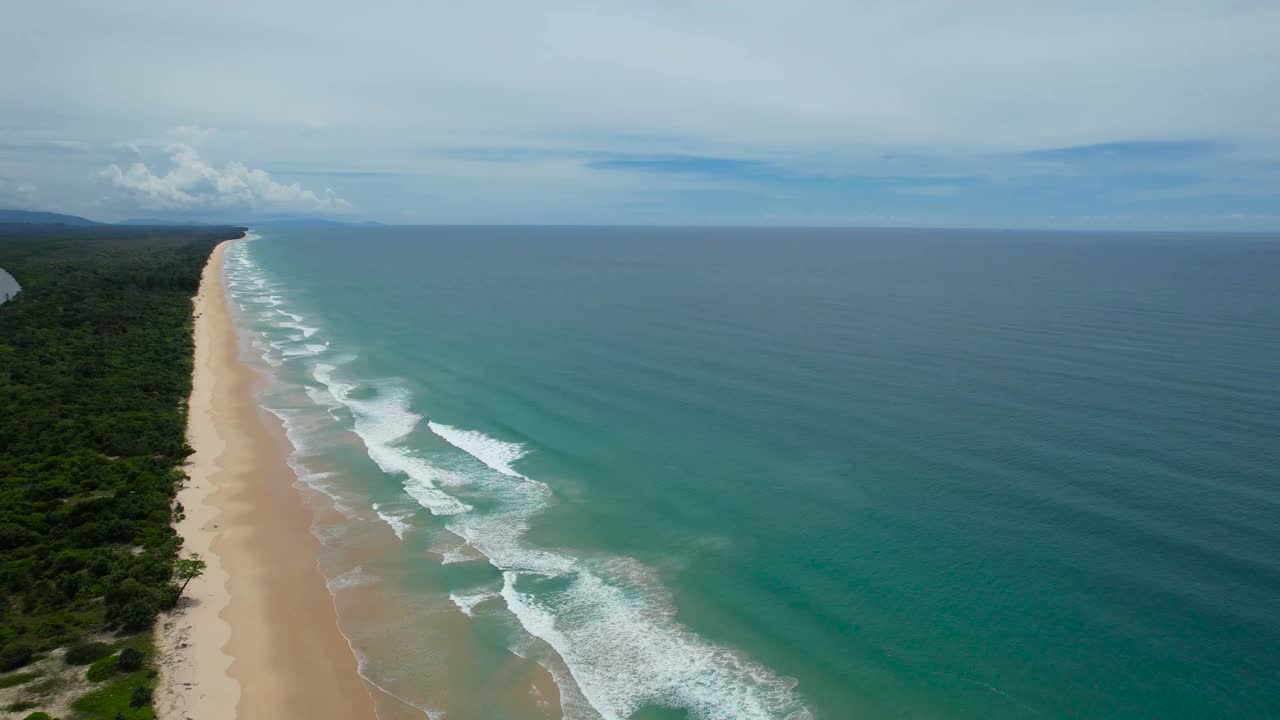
[193, 184]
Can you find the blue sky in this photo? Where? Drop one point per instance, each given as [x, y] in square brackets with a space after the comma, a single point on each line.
[1081, 114]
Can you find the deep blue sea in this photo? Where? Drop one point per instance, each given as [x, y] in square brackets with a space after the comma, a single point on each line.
[774, 473]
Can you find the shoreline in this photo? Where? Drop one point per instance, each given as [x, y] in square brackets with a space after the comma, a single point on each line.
[257, 635]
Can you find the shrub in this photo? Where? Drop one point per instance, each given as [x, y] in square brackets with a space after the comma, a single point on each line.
[132, 605]
[53, 627]
[86, 653]
[139, 613]
[140, 697]
[169, 595]
[15, 655]
[38, 716]
[130, 660]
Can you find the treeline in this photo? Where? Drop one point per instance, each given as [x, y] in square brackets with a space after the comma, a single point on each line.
[95, 371]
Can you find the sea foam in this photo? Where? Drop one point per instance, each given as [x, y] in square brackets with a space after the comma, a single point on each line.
[398, 522]
[610, 623]
[625, 652]
[382, 422]
[497, 454]
[467, 602]
[351, 578]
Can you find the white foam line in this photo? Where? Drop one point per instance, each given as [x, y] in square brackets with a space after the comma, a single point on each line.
[496, 454]
[467, 602]
[461, 554]
[382, 422]
[351, 578]
[615, 632]
[399, 523]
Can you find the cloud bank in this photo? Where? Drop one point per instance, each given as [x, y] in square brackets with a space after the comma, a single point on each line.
[193, 185]
[990, 112]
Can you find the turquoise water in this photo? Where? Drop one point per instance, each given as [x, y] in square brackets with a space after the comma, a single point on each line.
[717, 473]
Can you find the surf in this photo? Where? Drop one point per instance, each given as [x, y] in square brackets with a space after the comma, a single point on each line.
[608, 621]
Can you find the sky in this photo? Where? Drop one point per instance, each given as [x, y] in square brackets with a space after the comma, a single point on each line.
[1073, 114]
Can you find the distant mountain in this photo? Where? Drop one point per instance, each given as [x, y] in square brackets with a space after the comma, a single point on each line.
[311, 221]
[275, 220]
[165, 222]
[30, 217]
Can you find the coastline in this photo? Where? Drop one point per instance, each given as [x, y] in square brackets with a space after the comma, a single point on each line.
[257, 635]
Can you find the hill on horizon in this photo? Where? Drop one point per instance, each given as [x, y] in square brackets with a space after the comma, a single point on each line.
[278, 220]
[33, 217]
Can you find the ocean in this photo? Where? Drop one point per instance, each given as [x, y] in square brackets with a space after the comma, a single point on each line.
[720, 473]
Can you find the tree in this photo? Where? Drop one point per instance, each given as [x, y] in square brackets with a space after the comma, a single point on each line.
[131, 604]
[139, 613]
[95, 371]
[188, 569]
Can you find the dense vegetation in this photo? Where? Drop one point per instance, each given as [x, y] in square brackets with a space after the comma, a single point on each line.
[95, 370]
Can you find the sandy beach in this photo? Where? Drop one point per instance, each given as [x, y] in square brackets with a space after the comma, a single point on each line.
[256, 636]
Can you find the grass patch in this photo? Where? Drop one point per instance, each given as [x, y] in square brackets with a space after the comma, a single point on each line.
[124, 688]
[119, 655]
[17, 679]
[20, 706]
[113, 699]
[143, 642]
[101, 669]
[86, 653]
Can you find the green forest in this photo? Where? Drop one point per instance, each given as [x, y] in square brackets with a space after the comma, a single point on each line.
[95, 372]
